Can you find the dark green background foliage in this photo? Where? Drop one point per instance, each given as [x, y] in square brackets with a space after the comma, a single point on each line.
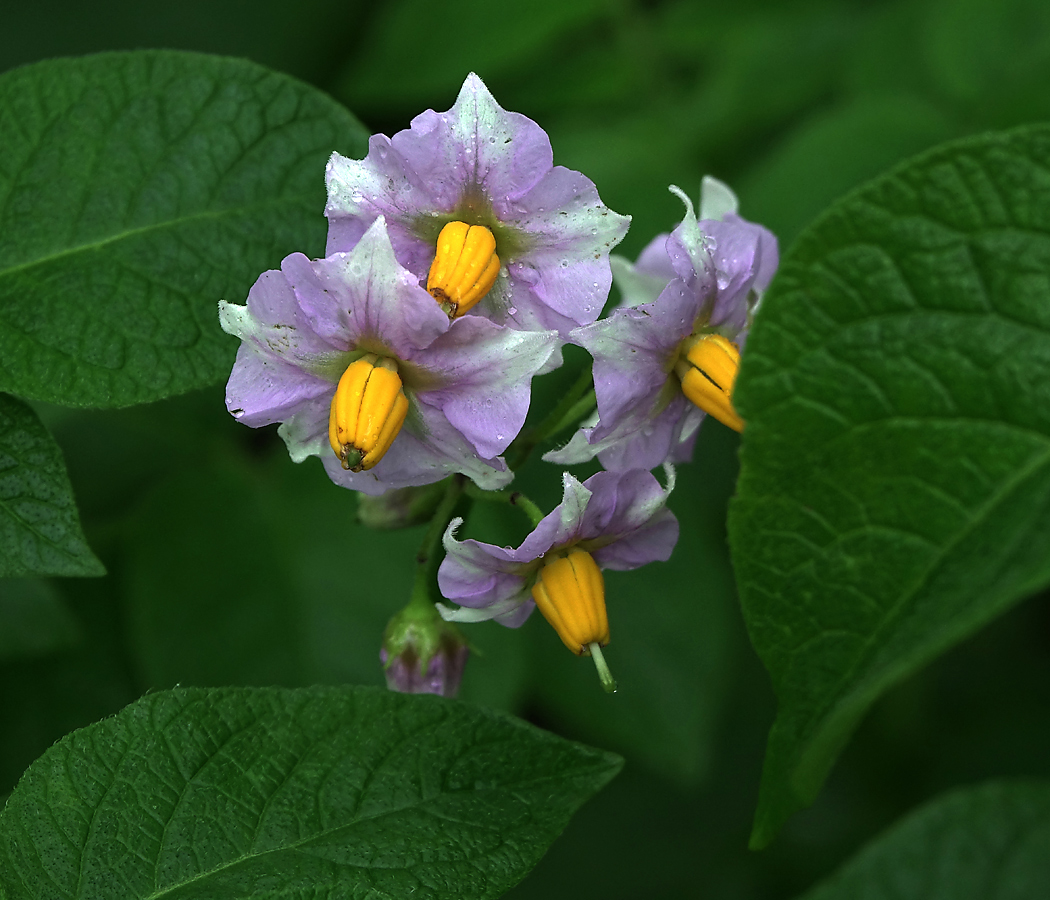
[228, 565]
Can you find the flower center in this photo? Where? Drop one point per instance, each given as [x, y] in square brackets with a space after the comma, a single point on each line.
[465, 267]
[708, 370]
[368, 410]
[570, 593]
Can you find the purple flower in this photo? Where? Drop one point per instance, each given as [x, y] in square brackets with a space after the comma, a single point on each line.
[688, 304]
[483, 166]
[304, 327]
[619, 518]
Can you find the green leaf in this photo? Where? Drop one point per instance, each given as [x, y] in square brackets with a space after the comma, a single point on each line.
[39, 529]
[992, 840]
[239, 792]
[33, 619]
[139, 189]
[895, 483]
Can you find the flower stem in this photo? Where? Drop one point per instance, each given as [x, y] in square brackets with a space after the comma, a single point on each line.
[573, 406]
[427, 558]
[514, 498]
[604, 675]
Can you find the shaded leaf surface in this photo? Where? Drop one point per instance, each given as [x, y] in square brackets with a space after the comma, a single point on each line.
[136, 191]
[39, 528]
[986, 843]
[265, 792]
[895, 484]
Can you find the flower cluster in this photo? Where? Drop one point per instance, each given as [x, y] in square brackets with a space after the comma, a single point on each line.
[459, 261]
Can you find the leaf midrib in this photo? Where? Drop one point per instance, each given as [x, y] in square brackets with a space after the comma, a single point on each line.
[156, 226]
[908, 596]
[325, 833]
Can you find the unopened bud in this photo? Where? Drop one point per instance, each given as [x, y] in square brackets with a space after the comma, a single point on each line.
[401, 507]
[708, 371]
[465, 267]
[423, 654]
[570, 592]
[368, 410]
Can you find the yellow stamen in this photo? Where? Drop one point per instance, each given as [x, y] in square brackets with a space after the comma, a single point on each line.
[368, 410]
[570, 593]
[708, 371]
[465, 267]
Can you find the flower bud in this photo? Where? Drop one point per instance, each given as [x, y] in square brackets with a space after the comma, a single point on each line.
[401, 507]
[423, 654]
[708, 371]
[465, 267]
[368, 410]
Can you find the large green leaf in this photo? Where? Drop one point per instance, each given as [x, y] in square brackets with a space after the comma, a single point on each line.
[39, 528]
[973, 844]
[895, 484]
[136, 191]
[323, 792]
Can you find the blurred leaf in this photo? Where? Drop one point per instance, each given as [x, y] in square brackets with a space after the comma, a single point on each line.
[33, 619]
[139, 189]
[832, 152]
[237, 792]
[669, 624]
[972, 844]
[448, 40]
[39, 528]
[895, 484]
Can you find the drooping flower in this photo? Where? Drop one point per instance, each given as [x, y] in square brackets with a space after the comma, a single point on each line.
[613, 520]
[669, 355]
[364, 370]
[478, 212]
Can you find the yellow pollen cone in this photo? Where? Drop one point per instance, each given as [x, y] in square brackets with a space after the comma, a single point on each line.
[708, 372]
[570, 593]
[465, 267]
[368, 410]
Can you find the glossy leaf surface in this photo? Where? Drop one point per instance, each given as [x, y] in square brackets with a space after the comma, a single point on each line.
[324, 792]
[895, 483]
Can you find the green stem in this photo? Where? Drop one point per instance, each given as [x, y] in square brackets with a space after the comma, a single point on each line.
[557, 419]
[427, 558]
[514, 498]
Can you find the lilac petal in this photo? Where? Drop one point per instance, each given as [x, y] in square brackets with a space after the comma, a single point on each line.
[273, 324]
[633, 349]
[654, 542]
[477, 574]
[486, 371]
[365, 298]
[305, 433]
[646, 441]
[504, 152]
[264, 389]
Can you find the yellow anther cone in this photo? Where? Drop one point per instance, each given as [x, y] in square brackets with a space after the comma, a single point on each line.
[465, 267]
[570, 593]
[368, 410]
[708, 372]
